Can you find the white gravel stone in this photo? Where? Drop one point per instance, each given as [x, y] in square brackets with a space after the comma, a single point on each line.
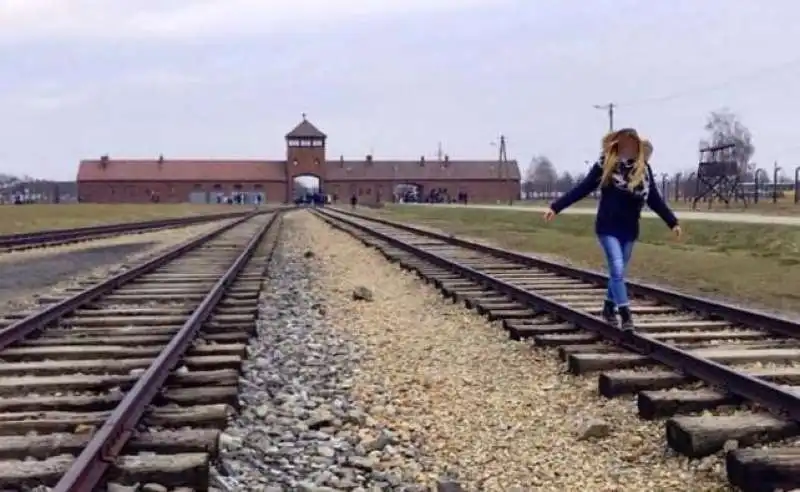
[299, 428]
[490, 413]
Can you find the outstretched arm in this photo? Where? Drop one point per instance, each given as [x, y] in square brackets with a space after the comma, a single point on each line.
[657, 204]
[581, 190]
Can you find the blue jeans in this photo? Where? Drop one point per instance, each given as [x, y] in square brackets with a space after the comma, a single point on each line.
[618, 254]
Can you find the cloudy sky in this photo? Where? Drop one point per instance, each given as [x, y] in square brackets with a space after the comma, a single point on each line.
[228, 78]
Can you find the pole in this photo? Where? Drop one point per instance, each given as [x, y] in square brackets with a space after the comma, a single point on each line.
[610, 109]
[611, 117]
[775, 171]
[503, 165]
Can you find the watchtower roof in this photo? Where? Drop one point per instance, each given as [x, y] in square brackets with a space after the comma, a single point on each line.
[306, 130]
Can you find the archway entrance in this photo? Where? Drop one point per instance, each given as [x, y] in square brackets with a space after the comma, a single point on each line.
[307, 189]
[408, 193]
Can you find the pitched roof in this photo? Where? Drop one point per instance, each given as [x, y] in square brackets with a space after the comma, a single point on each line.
[181, 170]
[305, 130]
[262, 171]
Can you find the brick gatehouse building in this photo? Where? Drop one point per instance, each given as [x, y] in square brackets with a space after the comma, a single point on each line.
[111, 180]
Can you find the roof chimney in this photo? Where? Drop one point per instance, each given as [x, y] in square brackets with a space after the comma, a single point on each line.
[341, 161]
[446, 158]
[369, 158]
[104, 161]
[160, 160]
[422, 161]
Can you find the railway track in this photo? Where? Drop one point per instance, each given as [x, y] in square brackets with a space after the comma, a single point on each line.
[726, 379]
[60, 237]
[129, 381]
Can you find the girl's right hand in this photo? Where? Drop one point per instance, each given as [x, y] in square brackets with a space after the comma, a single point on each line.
[549, 215]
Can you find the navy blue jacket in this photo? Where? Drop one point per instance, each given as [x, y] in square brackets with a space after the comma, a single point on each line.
[620, 207]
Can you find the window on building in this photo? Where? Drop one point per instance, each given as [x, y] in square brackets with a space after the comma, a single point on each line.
[198, 186]
[217, 186]
[258, 186]
[237, 187]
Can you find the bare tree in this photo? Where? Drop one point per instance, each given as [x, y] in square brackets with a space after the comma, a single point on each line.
[565, 182]
[724, 127]
[543, 174]
[528, 180]
[687, 182]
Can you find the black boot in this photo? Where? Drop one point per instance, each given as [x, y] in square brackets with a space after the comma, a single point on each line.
[627, 318]
[610, 313]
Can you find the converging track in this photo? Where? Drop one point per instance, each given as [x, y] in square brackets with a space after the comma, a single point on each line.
[723, 376]
[129, 381]
[60, 237]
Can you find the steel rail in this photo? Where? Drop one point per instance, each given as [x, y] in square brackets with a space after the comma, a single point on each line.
[736, 383]
[38, 320]
[88, 468]
[766, 321]
[43, 237]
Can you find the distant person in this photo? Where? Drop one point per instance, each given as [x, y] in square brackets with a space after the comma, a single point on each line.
[626, 183]
[353, 201]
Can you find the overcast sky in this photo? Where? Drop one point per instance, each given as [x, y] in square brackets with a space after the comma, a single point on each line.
[228, 78]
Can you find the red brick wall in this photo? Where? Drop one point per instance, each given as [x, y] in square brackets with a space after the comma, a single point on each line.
[304, 161]
[477, 191]
[172, 192]
[276, 191]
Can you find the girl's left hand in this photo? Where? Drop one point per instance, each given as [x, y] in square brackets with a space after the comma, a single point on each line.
[677, 231]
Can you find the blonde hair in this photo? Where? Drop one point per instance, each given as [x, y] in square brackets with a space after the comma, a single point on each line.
[648, 149]
[610, 142]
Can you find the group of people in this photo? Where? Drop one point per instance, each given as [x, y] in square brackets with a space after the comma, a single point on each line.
[316, 198]
[436, 195]
[626, 184]
[238, 199]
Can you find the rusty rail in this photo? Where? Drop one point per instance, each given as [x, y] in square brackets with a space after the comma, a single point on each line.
[38, 320]
[89, 467]
[767, 321]
[81, 233]
[756, 390]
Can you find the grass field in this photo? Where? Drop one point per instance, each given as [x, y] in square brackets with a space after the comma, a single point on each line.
[29, 218]
[749, 263]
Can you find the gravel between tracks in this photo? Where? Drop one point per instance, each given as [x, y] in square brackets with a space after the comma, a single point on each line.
[298, 428]
[497, 414]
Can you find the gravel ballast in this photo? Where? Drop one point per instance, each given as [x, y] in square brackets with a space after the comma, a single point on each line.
[496, 414]
[299, 428]
[364, 378]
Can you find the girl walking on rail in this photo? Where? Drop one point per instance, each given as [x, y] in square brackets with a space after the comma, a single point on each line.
[626, 183]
